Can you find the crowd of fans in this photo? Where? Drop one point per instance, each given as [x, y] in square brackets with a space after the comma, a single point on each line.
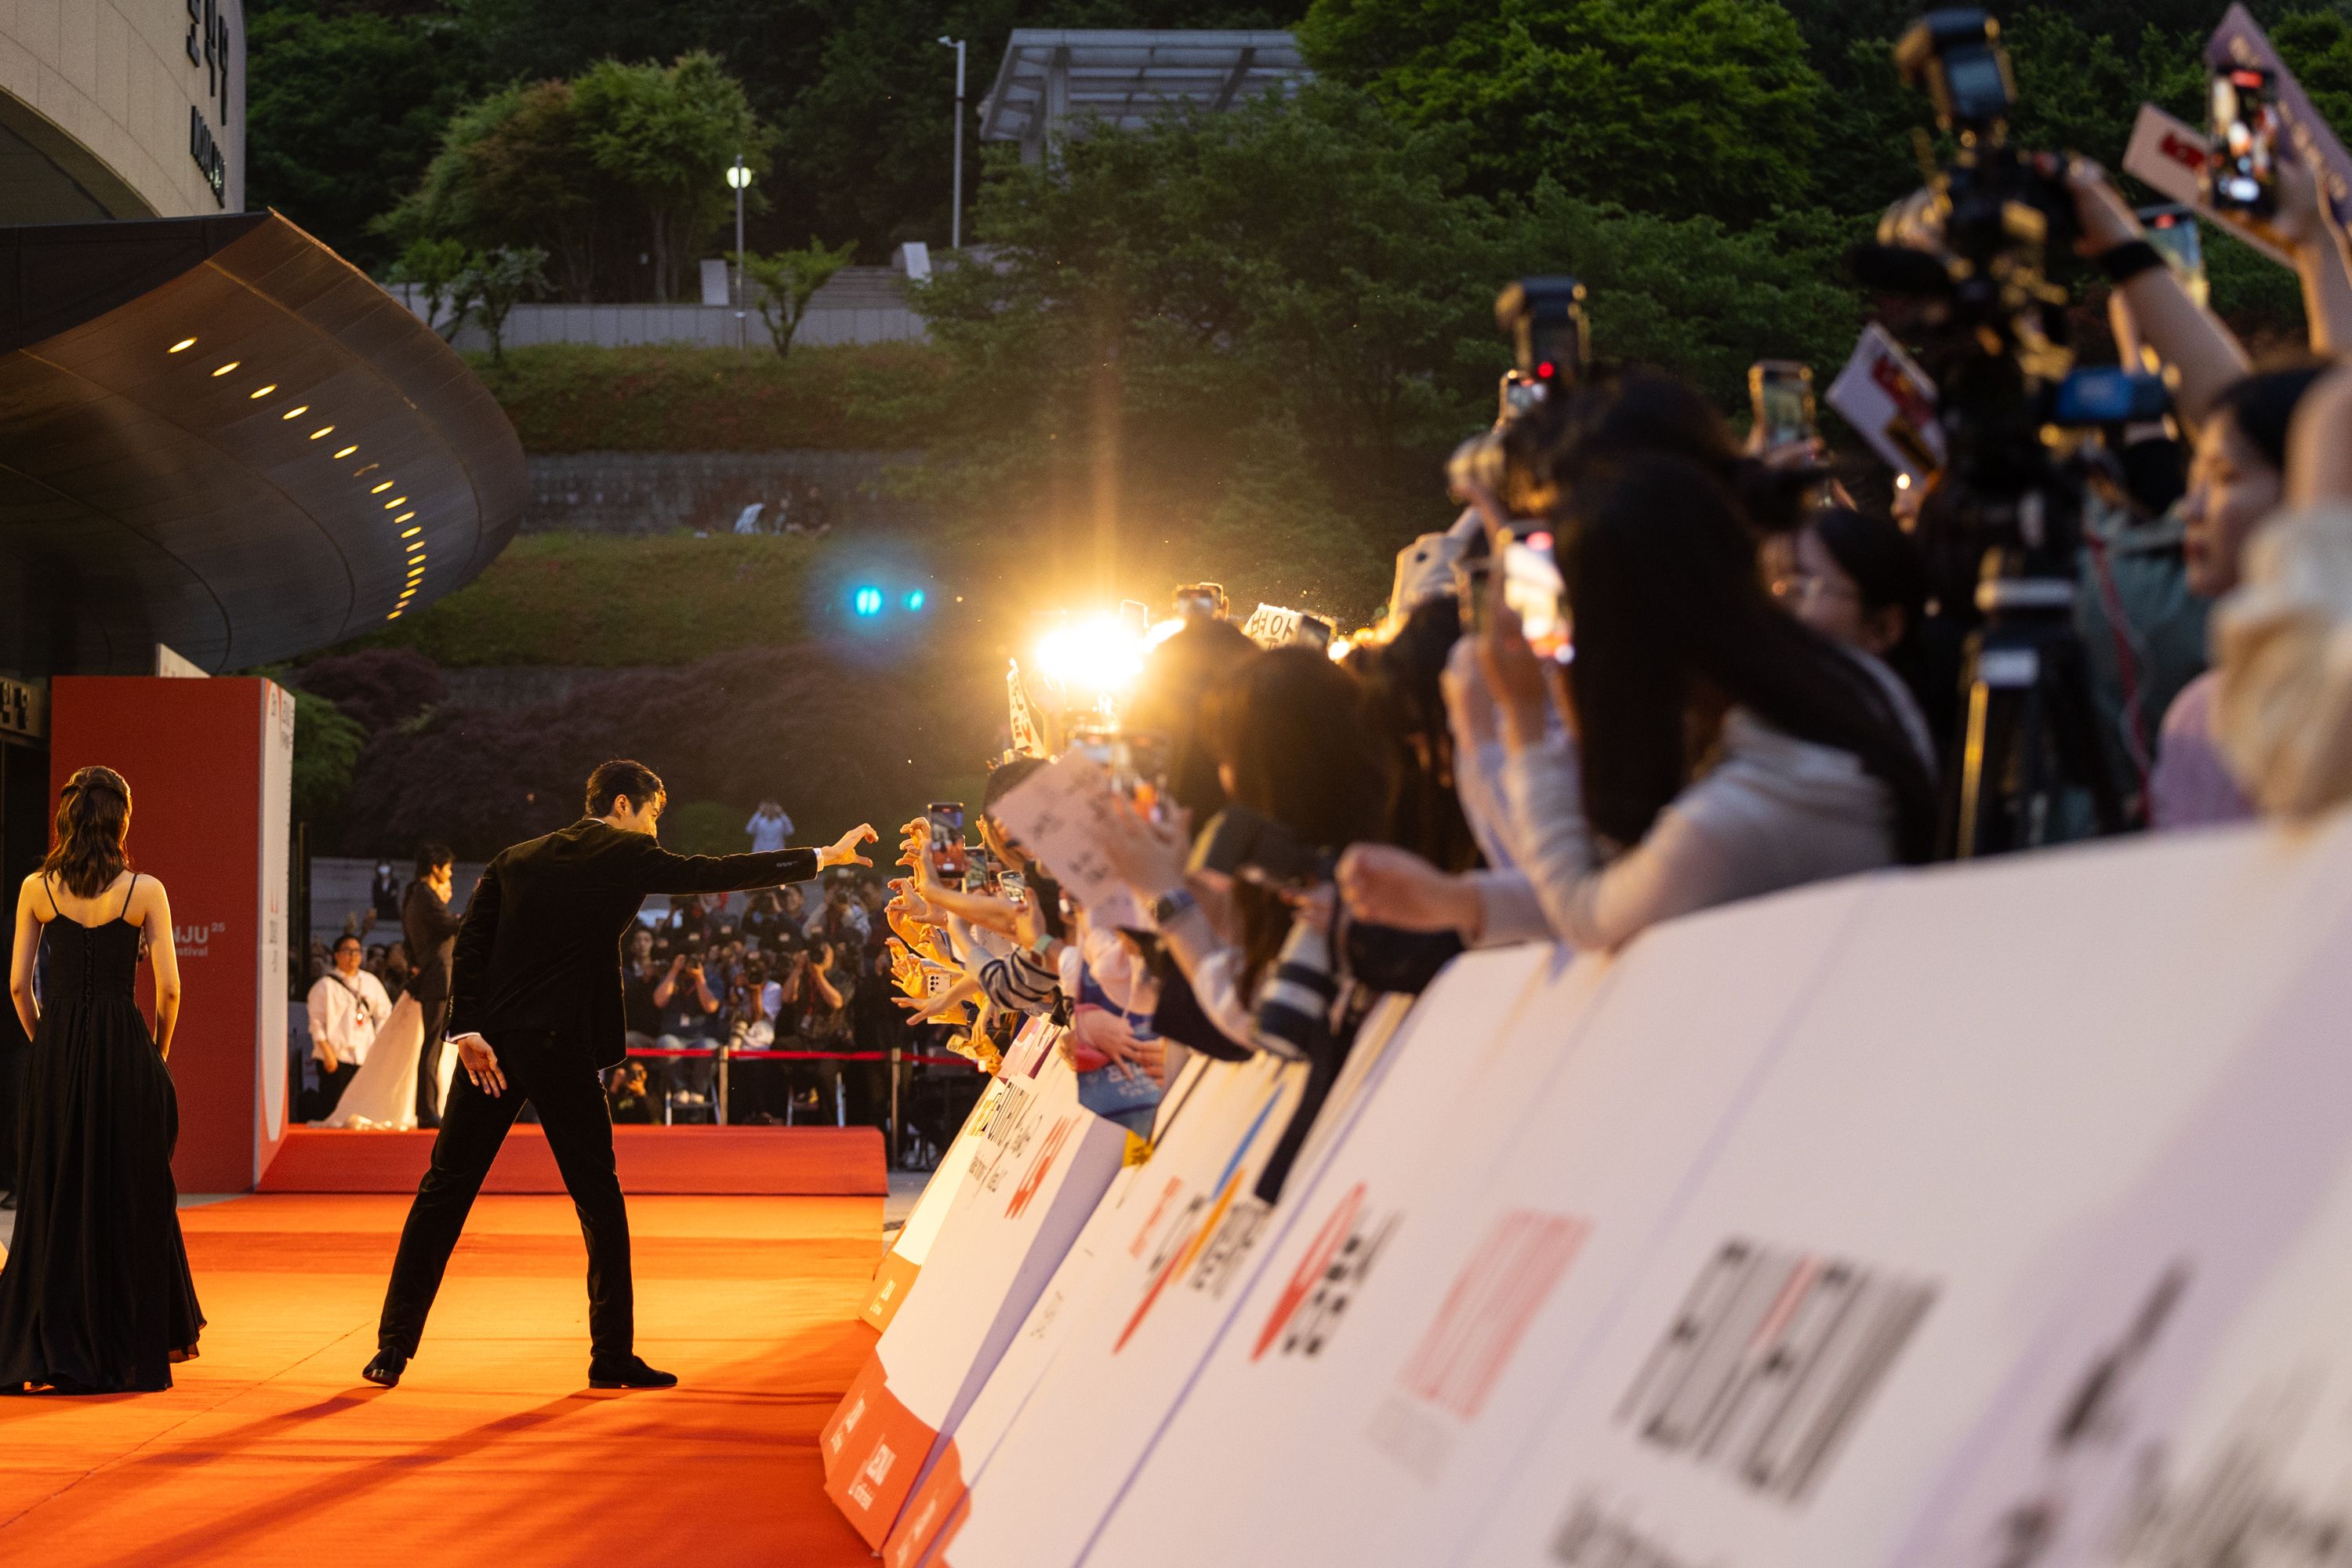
[1762, 685]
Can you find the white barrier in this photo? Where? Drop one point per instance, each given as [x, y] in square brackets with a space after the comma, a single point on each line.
[1040, 1166]
[1995, 1215]
[903, 1264]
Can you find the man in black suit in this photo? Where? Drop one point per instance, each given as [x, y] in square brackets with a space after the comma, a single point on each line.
[430, 928]
[535, 1013]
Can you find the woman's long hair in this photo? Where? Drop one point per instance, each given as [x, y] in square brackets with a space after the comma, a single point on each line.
[1660, 563]
[1290, 726]
[93, 820]
[1405, 704]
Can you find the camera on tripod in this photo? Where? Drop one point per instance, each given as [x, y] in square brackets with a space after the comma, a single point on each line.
[1550, 342]
[1988, 246]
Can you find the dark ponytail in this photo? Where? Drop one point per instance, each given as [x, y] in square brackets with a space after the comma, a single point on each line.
[93, 820]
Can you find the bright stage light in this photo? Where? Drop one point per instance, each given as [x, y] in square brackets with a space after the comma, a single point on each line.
[1162, 632]
[866, 601]
[913, 599]
[1098, 654]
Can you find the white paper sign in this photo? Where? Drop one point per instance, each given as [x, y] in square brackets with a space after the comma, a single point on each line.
[1889, 401]
[1062, 813]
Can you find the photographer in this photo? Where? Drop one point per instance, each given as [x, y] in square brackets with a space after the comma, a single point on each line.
[686, 1004]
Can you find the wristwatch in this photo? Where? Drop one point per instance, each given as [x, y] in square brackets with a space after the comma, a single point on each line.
[1170, 907]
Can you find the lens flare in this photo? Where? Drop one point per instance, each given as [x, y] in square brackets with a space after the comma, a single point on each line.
[1096, 654]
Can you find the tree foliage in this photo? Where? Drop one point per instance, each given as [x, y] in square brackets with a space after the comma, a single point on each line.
[781, 284]
[1681, 107]
[738, 727]
[626, 161]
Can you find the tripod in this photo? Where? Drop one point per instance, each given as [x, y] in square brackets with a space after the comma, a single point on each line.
[2031, 731]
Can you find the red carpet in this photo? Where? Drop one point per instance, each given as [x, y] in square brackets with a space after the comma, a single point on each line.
[271, 1450]
[795, 1161]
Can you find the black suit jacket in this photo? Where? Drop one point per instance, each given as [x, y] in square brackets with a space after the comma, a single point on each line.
[429, 926]
[540, 945]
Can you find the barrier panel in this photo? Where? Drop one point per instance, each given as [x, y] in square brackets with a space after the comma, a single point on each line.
[1040, 1167]
[904, 1262]
[1999, 1214]
[1179, 1223]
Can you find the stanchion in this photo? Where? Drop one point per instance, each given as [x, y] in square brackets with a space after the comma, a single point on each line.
[726, 1050]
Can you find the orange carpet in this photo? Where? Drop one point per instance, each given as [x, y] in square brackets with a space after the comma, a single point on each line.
[271, 1450]
[798, 1162]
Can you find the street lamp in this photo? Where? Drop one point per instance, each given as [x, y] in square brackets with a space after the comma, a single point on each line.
[740, 176]
[955, 211]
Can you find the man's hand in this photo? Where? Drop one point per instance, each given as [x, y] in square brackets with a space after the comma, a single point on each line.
[842, 851]
[481, 1064]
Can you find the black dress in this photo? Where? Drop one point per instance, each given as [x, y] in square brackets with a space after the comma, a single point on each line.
[95, 1296]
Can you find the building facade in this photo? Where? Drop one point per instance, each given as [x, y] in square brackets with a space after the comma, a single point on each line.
[121, 109]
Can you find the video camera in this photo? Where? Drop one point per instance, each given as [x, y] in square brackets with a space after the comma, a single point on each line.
[1551, 346]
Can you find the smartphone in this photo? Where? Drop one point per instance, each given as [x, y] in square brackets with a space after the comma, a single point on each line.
[1532, 587]
[1314, 631]
[2172, 229]
[947, 855]
[2243, 175]
[1200, 602]
[1013, 886]
[1781, 392]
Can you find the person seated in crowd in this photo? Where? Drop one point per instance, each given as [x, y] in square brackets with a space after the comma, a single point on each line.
[630, 1094]
[686, 1005]
[347, 1007]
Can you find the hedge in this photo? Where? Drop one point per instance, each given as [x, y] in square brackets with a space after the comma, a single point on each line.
[570, 397]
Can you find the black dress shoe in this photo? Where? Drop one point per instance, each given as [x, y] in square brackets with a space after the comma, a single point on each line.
[385, 1370]
[630, 1373]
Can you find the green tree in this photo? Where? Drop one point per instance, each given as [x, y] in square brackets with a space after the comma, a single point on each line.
[667, 135]
[327, 746]
[441, 272]
[781, 284]
[343, 110]
[494, 281]
[1682, 107]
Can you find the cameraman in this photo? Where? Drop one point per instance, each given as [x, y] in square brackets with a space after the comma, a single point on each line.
[686, 1003]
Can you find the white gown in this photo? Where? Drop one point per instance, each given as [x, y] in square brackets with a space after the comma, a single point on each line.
[382, 1096]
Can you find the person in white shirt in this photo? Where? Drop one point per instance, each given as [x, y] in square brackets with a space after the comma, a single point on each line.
[348, 1006]
[769, 827]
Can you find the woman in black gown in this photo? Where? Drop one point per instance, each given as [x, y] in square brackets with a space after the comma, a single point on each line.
[96, 1296]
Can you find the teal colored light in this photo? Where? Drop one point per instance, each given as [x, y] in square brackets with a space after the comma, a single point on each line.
[867, 602]
[914, 600]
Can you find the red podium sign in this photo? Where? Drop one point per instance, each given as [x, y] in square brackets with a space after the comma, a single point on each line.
[211, 769]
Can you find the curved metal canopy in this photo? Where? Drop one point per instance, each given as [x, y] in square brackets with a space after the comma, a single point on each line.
[215, 433]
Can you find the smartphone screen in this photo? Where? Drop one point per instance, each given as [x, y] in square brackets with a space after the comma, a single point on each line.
[1532, 587]
[2173, 231]
[2244, 170]
[1781, 392]
[948, 856]
[1013, 886]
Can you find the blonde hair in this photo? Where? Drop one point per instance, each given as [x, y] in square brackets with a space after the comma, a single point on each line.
[2283, 641]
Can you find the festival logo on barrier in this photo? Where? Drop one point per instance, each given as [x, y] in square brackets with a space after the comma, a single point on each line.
[1772, 1360]
[1035, 1179]
[1186, 1241]
[1327, 1278]
[1444, 1382]
[1595, 1535]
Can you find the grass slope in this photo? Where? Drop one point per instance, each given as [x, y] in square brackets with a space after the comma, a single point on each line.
[615, 601]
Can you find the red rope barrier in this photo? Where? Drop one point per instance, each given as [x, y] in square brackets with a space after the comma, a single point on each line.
[751, 1053]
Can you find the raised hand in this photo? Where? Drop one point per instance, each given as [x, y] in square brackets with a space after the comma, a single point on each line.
[842, 851]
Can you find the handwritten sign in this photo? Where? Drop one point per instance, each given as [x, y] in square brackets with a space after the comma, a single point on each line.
[1063, 813]
[1889, 401]
[1028, 731]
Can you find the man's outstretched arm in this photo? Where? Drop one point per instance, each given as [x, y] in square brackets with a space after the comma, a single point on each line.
[659, 871]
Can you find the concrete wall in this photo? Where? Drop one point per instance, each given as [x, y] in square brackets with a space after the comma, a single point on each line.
[654, 492]
[103, 89]
[859, 305]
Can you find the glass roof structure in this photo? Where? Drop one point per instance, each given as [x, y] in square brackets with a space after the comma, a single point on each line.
[1053, 82]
